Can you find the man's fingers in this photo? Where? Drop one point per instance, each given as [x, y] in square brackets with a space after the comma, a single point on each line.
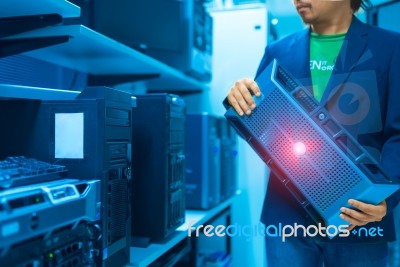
[242, 103]
[364, 214]
[247, 96]
[367, 208]
[352, 220]
[235, 105]
[240, 96]
[374, 210]
[360, 216]
[253, 87]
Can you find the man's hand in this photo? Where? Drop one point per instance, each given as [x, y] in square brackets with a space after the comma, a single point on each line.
[239, 97]
[364, 214]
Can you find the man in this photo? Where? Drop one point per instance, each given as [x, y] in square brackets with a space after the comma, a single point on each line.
[334, 54]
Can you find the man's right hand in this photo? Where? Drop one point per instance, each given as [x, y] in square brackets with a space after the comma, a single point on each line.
[239, 96]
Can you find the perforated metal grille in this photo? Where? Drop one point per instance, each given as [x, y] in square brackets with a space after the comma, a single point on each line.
[117, 209]
[322, 174]
[176, 208]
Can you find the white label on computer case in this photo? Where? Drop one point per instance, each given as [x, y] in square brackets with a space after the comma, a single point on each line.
[69, 135]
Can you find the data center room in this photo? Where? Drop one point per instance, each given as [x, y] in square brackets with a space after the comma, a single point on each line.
[121, 142]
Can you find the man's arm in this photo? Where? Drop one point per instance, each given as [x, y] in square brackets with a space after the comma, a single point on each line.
[390, 155]
[391, 148]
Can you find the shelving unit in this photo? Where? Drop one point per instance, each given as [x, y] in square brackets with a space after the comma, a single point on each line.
[33, 28]
[93, 53]
[141, 257]
[18, 8]
[23, 15]
[26, 92]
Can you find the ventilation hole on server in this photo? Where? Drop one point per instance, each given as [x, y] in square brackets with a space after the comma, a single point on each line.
[335, 177]
[109, 188]
[75, 247]
[285, 80]
[118, 210]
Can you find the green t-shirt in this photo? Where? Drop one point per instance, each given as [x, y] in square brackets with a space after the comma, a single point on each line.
[324, 49]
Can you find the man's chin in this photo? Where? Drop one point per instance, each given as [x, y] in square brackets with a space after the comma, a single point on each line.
[306, 20]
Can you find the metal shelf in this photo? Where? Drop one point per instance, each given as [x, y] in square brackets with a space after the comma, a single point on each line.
[145, 256]
[17, 8]
[93, 53]
[26, 92]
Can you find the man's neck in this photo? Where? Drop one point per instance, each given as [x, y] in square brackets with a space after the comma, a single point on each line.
[338, 24]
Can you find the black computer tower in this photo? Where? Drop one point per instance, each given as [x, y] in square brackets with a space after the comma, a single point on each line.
[178, 33]
[203, 160]
[228, 138]
[158, 160]
[91, 136]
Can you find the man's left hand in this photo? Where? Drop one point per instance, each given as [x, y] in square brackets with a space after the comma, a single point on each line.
[364, 214]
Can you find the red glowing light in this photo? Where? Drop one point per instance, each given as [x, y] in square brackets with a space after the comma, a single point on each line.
[299, 148]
